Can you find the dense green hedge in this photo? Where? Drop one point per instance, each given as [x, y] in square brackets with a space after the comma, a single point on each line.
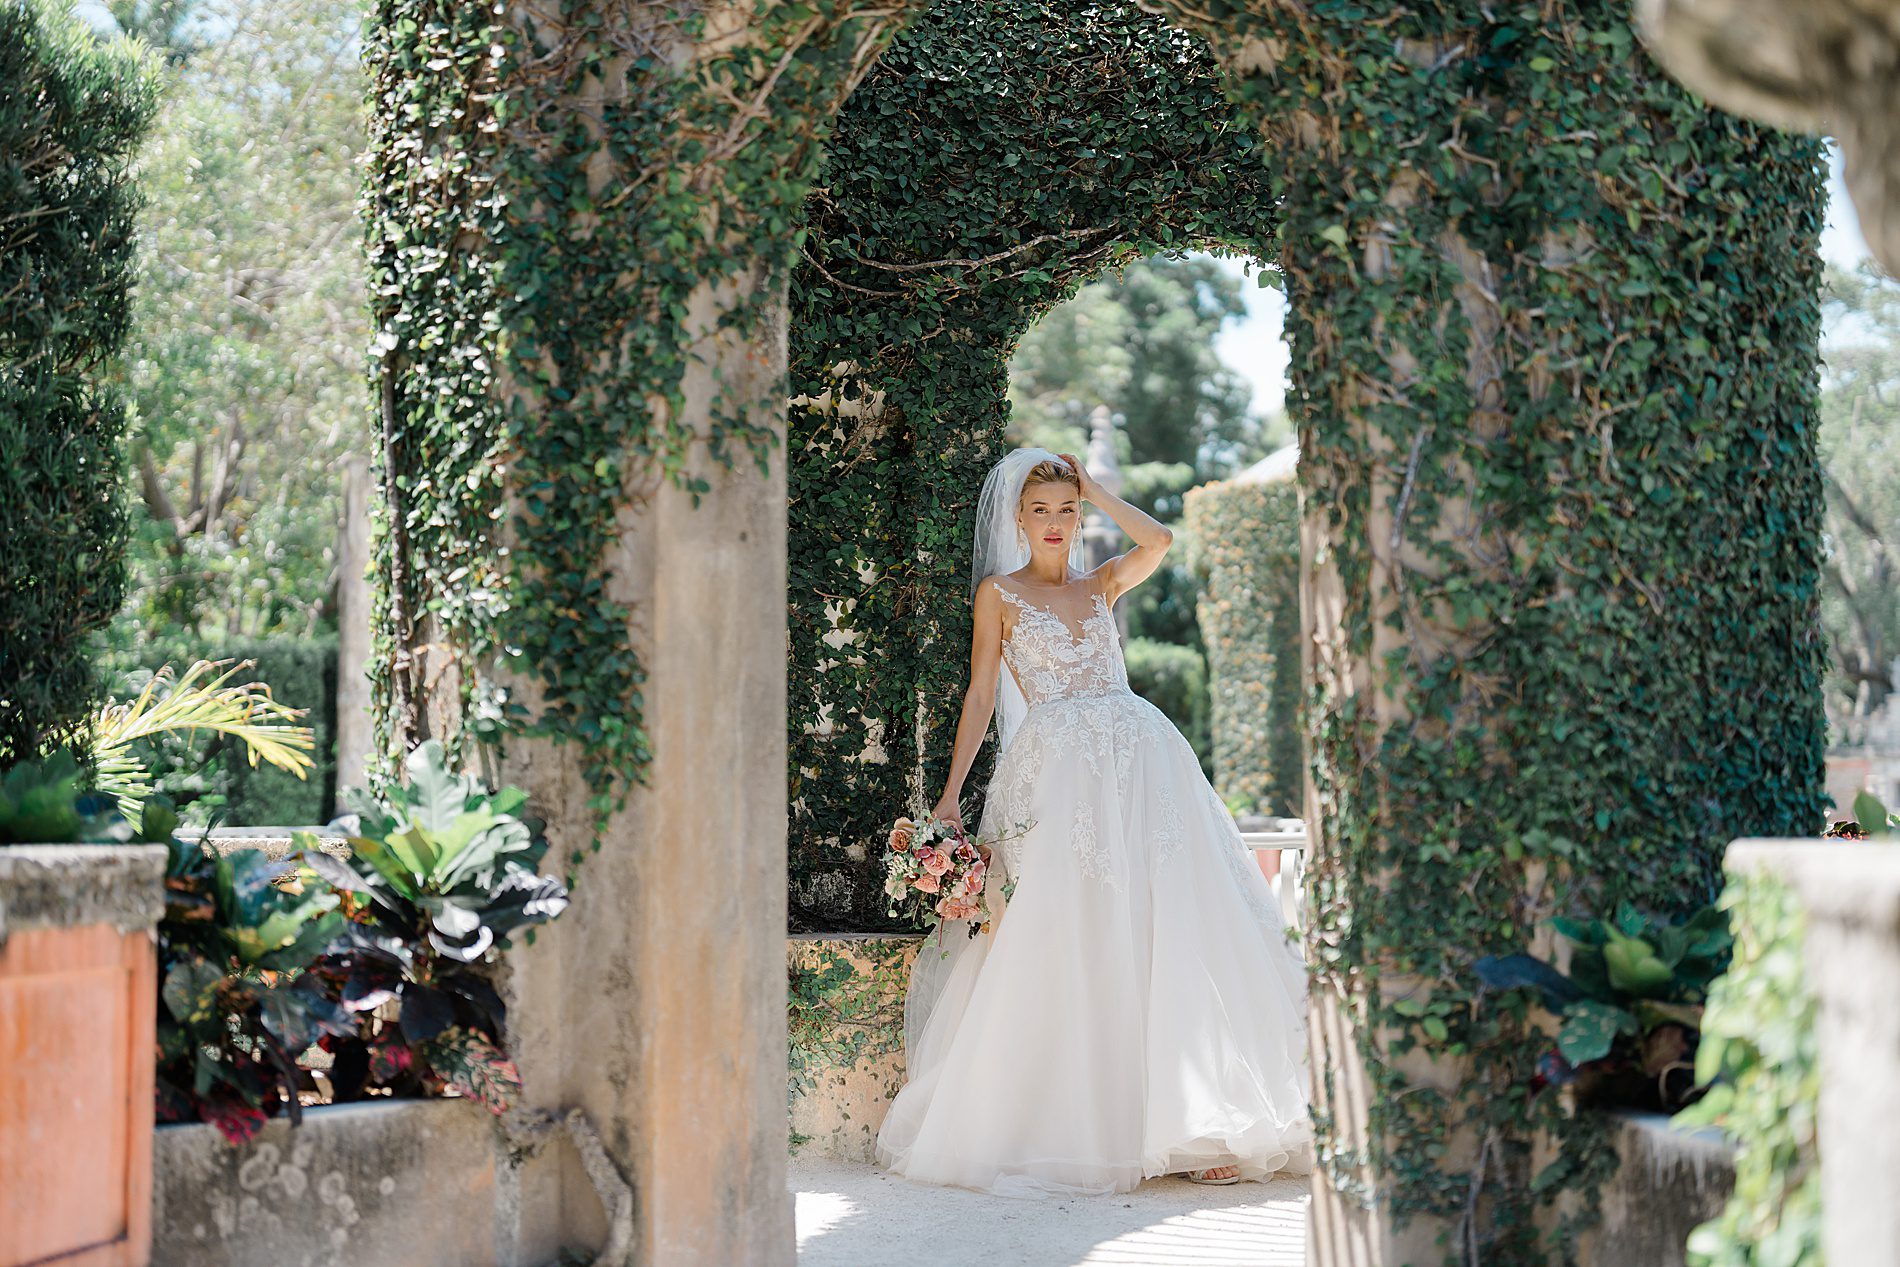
[1244, 545]
[300, 672]
[963, 194]
[72, 114]
[1174, 679]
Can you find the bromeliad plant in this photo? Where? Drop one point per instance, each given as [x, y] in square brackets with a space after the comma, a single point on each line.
[1630, 1004]
[239, 1003]
[439, 879]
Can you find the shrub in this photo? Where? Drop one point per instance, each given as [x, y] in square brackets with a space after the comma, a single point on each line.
[1759, 1056]
[72, 114]
[1244, 545]
[379, 962]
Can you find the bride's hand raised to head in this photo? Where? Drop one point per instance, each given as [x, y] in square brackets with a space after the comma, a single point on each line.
[1083, 479]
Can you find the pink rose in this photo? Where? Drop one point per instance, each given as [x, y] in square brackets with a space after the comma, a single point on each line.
[901, 834]
[927, 883]
[956, 908]
[936, 861]
[973, 883]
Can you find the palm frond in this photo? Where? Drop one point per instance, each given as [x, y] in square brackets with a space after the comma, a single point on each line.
[195, 701]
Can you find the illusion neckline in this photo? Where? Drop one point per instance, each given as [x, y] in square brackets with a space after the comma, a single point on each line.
[1096, 601]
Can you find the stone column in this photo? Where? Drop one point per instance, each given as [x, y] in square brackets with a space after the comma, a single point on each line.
[355, 727]
[1850, 893]
[1554, 387]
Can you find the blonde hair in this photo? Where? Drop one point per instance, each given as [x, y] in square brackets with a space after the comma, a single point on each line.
[1052, 473]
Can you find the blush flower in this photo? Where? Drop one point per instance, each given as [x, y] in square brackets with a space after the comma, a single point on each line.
[936, 861]
[927, 883]
[901, 832]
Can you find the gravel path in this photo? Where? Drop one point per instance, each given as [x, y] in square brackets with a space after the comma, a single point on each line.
[852, 1214]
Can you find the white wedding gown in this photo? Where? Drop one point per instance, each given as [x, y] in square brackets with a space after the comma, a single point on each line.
[1137, 1009]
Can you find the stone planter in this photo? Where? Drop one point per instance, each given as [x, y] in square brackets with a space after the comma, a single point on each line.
[1669, 1179]
[78, 1011]
[410, 1182]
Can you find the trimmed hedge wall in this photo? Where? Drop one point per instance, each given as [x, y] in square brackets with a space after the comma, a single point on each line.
[72, 114]
[1244, 546]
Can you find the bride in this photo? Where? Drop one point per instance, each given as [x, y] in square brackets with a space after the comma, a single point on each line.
[1133, 1007]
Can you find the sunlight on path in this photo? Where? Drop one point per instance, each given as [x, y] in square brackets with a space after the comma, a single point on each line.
[854, 1215]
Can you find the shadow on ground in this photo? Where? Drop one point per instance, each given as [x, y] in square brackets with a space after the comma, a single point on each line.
[852, 1214]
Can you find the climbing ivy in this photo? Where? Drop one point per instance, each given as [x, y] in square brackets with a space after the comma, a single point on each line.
[1554, 331]
[999, 155]
[1244, 548]
[1554, 335]
[844, 1015]
[551, 190]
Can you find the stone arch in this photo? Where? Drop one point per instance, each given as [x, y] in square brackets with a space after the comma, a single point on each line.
[1554, 332]
[1553, 380]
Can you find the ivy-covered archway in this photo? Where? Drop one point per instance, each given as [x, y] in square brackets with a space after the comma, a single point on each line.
[1554, 336]
[963, 194]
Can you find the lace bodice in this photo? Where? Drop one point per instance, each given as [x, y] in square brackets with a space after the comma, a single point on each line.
[1051, 663]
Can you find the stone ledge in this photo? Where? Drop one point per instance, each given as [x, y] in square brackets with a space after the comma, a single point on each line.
[393, 1181]
[1670, 1178]
[275, 843]
[72, 886]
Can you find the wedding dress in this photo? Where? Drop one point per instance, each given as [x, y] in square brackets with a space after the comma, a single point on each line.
[1135, 1008]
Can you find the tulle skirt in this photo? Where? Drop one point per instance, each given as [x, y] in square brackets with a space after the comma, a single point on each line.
[1135, 1009]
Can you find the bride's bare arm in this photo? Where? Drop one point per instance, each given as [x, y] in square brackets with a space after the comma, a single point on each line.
[979, 699]
[1151, 537]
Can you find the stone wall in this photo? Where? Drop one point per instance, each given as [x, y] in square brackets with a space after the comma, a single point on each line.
[846, 1030]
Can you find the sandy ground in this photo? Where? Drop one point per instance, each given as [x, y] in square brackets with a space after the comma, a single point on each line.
[854, 1215]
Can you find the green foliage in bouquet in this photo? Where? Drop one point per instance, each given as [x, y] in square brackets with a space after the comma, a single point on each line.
[441, 874]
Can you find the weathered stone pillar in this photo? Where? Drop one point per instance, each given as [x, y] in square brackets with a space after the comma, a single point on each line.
[581, 233]
[1553, 369]
[1850, 896]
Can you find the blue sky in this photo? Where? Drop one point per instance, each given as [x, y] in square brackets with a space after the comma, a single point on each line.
[1253, 347]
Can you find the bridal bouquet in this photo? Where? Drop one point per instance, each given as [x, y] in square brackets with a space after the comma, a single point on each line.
[934, 872]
